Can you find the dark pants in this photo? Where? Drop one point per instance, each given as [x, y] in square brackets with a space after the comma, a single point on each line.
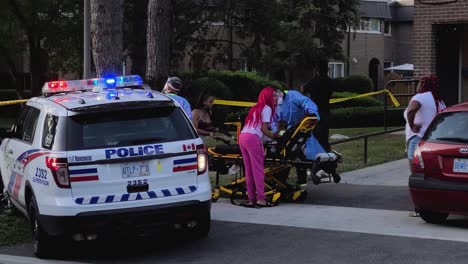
[321, 131]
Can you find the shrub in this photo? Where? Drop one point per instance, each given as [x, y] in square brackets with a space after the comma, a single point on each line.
[212, 86]
[365, 117]
[354, 83]
[245, 86]
[367, 101]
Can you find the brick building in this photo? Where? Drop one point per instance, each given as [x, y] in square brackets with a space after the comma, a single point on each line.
[383, 38]
[441, 45]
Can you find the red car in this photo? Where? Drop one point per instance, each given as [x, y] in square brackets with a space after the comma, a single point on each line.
[439, 180]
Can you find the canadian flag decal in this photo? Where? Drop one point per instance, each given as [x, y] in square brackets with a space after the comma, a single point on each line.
[188, 147]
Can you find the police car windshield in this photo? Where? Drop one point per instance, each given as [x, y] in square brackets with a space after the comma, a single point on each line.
[127, 127]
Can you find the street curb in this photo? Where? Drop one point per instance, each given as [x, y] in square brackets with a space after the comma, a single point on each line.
[9, 259]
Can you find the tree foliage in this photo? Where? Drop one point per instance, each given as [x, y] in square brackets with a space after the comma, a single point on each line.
[46, 31]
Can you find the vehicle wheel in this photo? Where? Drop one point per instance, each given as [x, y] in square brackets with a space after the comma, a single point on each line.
[239, 196]
[316, 180]
[215, 195]
[276, 198]
[42, 244]
[433, 217]
[336, 177]
[302, 197]
[202, 229]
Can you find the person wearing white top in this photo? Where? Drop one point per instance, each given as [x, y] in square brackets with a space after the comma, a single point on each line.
[422, 108]
[250, 142]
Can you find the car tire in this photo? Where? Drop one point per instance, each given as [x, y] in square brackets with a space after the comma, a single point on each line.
[42, 242]
[433, 217]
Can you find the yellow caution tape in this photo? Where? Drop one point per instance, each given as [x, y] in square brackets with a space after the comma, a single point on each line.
[394, 100]
[249, 104]
[332, 101]
[233, 103]
[12, 102]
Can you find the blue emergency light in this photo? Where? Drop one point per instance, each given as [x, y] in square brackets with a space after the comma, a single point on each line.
[94, 84]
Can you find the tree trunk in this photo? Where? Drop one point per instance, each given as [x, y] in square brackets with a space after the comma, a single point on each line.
[158, 39]
[138, 49]
[11, 71]
[106, 36]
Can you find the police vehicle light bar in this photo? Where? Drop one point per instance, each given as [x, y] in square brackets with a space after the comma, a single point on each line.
[96, 84]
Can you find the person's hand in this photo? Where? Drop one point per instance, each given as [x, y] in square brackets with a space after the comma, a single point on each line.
[416, 128]
[276, 135]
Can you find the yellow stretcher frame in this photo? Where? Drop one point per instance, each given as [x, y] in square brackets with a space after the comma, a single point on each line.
[280, 164]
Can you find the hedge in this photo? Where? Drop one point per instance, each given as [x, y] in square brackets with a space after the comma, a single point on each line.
[245, 86]
[365, 117]
[367, 101]
[214, 87]
[354, 83]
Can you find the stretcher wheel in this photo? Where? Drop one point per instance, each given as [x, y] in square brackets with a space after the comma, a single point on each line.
[239, 196]
[316, 179]
[215, 195]
[336, 178]
[302, 197]
[299, 196]
[275, 198]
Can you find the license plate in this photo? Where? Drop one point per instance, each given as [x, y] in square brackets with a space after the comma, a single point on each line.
[135, 169]
[460, 165]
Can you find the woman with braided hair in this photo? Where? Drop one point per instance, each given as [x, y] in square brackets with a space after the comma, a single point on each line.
[422, 108]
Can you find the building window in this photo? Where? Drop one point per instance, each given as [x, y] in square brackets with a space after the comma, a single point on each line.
[388, 28]
[369, 25]
[335, 69]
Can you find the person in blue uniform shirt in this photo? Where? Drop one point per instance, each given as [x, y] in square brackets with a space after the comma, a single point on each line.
[172, 88]
[293, 107]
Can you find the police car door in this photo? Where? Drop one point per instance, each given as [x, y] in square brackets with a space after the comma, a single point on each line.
[131, 154]
[20, 151]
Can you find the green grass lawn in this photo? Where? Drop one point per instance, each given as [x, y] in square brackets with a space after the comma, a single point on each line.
[14, 228]
[380, 149]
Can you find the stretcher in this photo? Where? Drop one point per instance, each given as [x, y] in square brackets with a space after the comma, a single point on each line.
[280, 157]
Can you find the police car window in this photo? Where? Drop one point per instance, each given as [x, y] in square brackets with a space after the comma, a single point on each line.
[30, 125]
[48, 135]
[127, 128]
[449, 127]
[19, 125]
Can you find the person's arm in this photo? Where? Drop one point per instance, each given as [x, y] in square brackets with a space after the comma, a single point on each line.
[187, 108]
[274, 124]
[196, 118]
[267, 132]
[308, 105]
[413, 108]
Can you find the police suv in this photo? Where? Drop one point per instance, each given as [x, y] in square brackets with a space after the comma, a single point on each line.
[96, 156]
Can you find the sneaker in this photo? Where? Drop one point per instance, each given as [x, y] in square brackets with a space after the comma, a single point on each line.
[234, 169]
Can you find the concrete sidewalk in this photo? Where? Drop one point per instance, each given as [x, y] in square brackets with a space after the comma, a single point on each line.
[395, 173]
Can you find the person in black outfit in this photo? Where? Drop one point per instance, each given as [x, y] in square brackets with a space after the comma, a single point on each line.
[320, 90]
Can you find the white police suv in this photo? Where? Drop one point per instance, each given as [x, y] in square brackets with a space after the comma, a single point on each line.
[91, 157]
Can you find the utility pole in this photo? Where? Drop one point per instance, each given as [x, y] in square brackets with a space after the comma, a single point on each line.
[86, 41]
[348, 50]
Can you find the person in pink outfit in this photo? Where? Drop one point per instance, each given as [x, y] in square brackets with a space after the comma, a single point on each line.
[250, 142]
